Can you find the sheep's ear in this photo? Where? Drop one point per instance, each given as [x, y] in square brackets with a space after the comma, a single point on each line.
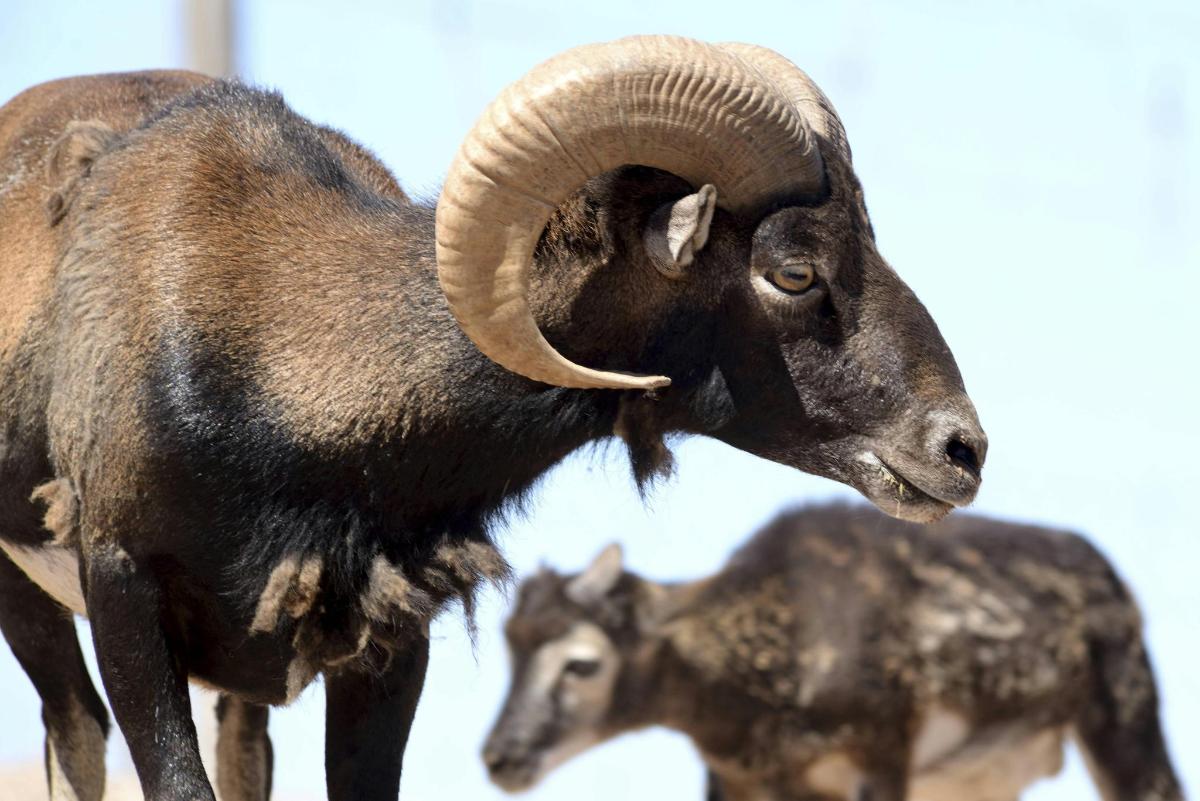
[599, 578]
[70, 159]
[652, 607]
[678, 231]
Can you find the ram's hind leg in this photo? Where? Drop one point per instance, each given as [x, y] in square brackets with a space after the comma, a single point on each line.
[244, 754]
[42, 637]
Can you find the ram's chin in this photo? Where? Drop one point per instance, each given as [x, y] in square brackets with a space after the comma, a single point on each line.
[894, 495]
[927, 510]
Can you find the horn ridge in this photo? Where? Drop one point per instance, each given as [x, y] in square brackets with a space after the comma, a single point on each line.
[687, 107]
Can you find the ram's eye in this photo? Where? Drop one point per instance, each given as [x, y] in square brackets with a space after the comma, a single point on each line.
[583, 668]
[793, 278]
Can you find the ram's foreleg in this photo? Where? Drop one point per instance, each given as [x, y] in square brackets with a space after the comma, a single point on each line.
[145, 679]
[368, 714]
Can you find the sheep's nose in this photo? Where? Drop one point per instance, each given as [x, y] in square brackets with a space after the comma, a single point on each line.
[967, 452]
[958, 438]
[495, 758]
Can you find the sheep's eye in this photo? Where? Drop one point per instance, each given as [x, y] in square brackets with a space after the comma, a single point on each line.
[583, 668]
[793, 278]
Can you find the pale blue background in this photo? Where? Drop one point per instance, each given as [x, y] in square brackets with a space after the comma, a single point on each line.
[1032, 171]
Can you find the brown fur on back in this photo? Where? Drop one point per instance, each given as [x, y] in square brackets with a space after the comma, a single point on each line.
[786, 616]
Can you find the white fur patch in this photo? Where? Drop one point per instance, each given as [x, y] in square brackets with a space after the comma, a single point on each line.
[835, 774]
[941, 732]
[995, 769]
[952, 763]
[53, 568]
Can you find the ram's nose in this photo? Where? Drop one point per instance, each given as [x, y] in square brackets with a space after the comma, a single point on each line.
[954, 448]
[960, 439]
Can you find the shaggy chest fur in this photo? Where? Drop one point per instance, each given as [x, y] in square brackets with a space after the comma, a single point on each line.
[303, 621]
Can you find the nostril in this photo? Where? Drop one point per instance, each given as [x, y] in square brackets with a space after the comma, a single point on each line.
[963, 455]
[495, 762]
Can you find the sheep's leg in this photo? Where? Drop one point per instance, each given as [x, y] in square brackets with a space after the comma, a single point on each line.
[1119, 729]
[146, 683]
[712, 788]
[367, 718]
[244, 754]
[885, 774]
[42, 637]
[884, 787]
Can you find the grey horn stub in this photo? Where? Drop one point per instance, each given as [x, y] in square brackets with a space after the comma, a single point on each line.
[676, 104]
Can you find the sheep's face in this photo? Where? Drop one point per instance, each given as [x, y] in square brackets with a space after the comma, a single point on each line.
[790, 338]
[566, 667]
[835, 367]
[561, 692]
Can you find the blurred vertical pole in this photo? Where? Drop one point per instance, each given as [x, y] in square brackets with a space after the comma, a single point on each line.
[211, 36]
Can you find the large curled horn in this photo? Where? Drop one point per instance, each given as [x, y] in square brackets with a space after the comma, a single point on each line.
[679, 105]
[796, 86]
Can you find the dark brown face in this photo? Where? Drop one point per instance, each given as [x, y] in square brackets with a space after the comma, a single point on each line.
[834, 367]
[791, 339]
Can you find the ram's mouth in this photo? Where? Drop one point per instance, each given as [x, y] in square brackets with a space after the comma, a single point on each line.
[895, 494]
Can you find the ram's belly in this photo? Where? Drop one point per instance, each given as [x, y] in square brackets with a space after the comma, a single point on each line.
[53, 568]
[990, 766]
[264, 667]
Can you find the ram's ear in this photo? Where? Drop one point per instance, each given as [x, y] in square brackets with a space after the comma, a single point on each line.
[598, 580]
[678, 231]
[70, 160]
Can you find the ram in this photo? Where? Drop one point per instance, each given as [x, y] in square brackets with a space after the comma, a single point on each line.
[267, 408]
[843, 655]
